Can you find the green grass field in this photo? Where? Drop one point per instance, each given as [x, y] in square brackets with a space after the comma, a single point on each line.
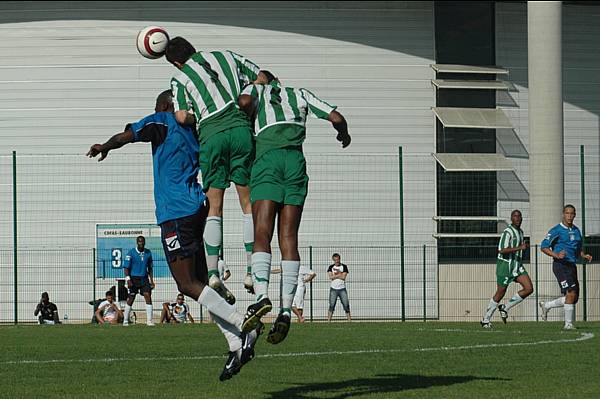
[338, 360]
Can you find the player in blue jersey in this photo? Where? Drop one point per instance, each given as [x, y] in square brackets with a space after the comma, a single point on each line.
[181, 213]
[564, 244]
[138, 274]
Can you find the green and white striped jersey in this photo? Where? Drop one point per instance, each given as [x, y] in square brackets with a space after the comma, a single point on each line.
[209, 83]
[285, 105]
[511, 237]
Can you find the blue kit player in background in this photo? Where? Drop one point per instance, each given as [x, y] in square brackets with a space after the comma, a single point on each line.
[138, 274]
[181, 214]
[564, 244]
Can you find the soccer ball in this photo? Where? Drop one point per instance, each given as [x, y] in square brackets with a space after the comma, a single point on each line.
[152, 42]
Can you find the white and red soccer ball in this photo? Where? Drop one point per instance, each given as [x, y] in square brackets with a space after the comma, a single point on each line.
[152, 42]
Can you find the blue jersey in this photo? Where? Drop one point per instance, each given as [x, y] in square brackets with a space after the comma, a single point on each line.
[175, 148]
[138, 263]
[563, 238]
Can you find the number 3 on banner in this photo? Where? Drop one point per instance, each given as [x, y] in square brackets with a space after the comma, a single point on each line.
[116, 255]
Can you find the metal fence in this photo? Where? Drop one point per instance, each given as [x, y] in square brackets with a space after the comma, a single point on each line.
[450, 291]
[375, 210]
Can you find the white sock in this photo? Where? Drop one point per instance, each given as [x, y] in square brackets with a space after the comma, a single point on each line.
[127, 313]
[490, 310]
[248, 230]
[213, 242]
[230, 332]
[261, 271]
[569, 313]
[289, 277]
[514, 301]
[557, 303]
[217, 306]
[149, 312]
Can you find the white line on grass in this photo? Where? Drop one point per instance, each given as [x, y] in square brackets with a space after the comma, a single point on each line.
[583, 337]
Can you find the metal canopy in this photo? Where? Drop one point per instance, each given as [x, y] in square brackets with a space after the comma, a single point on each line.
[473, 162]
[474, 118]
[452, 68]
[471, 84]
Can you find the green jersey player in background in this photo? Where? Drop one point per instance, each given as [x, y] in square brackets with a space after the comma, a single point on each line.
[279, 187]
[509, 268]
[205, 93]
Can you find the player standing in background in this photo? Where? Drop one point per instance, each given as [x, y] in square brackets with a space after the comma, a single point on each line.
[279, 188]
[206, 89]
[337, 273]
[177, 312]
[564, 244]
[138, 274]
[181, 214]
[509, 268]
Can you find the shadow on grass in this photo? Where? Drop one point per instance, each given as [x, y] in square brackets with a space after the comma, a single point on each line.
[379, 384]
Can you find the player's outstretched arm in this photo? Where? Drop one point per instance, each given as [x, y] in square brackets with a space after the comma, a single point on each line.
[339, 123]
[116, 141]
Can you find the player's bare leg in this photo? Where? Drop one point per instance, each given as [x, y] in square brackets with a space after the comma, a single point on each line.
[148, 299]
[493, 305]
[263, 213]
[524, 292]
[288, 225]
[248, 233]
[128, 305]
[214, 242]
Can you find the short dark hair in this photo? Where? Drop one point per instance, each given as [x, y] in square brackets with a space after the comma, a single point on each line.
[516, 210]
[180, 295]
[45, 295]
[142, 237]
[269, 75]
[569, 206]
[336, 254]
[166, 97]
[109, 292]
[179, 50]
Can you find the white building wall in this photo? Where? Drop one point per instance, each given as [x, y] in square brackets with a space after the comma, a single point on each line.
[71, 77]
[581, 81]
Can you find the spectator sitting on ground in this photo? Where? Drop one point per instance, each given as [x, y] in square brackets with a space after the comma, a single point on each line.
[48, 312]
[109, 312]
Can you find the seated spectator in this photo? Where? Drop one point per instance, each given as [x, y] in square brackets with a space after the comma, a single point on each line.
[109, 312]
[176, 312]
[48, 312]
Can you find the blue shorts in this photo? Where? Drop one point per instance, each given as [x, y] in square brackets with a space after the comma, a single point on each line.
[566, 275]
[183, 237]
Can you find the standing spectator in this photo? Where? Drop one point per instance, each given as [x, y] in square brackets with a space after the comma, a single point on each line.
[337, 273]
[109, 312]
[48, 312]
[564, 244]
[138, 273]
[305, 276]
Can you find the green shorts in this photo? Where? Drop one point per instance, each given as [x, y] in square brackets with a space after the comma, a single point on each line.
[227, 157]
[504, 274]
[279, 175]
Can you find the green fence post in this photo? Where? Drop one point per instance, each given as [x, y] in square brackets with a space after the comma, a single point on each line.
[15, 286]
[401, 203]
[582, 189]
[537, 279]
[424, 285]
[310, 264]
[94, 272]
